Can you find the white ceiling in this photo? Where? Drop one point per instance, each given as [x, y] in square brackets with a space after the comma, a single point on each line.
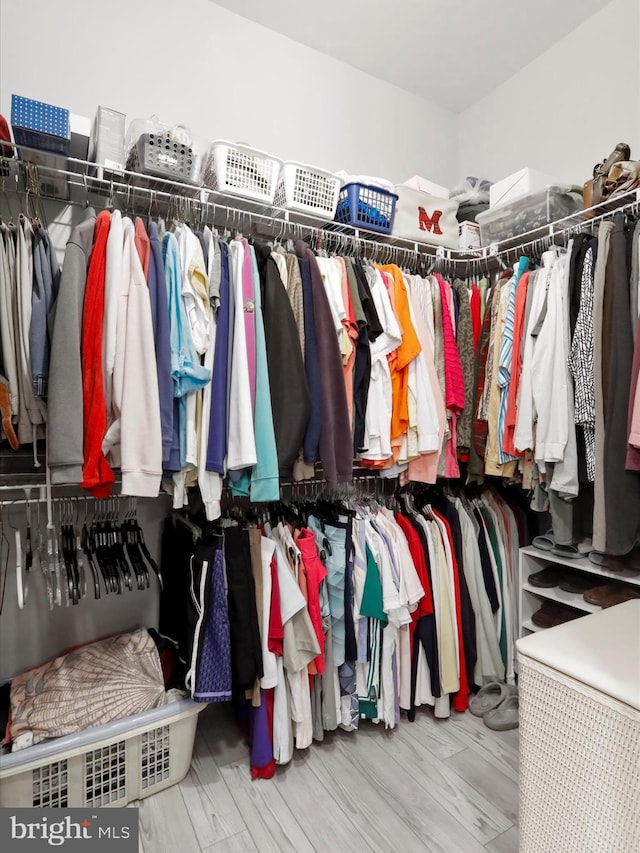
[452, 52]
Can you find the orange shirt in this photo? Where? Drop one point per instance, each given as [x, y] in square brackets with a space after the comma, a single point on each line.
[399, 359]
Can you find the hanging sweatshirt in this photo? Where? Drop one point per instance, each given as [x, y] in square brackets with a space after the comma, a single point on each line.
[286, 371]
[136, 380]
[241, 450]
[66, 432]
[336, 443]
[209, 482]
[97, 476]
[112, 282]
[187, 372]
[46, 281]
[217, 439]
[7, 312]
[31, 411]
[162, 335]
[311, 443]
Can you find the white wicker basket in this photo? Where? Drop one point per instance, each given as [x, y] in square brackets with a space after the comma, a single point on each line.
[241, 170]
[580, 735]
[109, 765]
[308, 190]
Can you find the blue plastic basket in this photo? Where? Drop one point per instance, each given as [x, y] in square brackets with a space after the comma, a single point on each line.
[366, 206]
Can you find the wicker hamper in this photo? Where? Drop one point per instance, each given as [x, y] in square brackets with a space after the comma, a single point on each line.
[580, 735]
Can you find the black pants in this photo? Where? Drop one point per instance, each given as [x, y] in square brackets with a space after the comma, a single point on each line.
[246, 647]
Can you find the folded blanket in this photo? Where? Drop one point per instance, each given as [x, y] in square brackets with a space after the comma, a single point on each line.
[86, 687]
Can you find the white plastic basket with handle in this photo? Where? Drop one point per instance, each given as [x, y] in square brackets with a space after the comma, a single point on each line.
[109, 765]
[307, 189]
[242, 170]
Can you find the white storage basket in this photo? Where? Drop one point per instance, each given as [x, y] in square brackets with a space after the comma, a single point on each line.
[308, 190]
[580, 735]
[241, 170]
[109, 765]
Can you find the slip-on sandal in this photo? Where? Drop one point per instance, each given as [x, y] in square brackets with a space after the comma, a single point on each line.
[544, 542]
[610, 594]
[576, 582]
[569, 552]
[489, 697]
[552, 613]
[547, 578]
[616, 564]
[505, 716]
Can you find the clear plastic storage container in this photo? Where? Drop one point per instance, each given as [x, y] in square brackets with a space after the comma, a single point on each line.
[527, 213]
[172, 153]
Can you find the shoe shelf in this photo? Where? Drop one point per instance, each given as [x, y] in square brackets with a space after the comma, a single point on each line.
[571, 599]
[583, 564]
[531, 598]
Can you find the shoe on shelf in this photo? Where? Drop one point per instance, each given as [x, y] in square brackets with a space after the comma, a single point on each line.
[547, 578]
[544, 542]
[569, 552]
[577, 582]
[553, 613]
[610, 594]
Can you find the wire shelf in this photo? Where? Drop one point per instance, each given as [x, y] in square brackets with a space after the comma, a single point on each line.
[141, 194]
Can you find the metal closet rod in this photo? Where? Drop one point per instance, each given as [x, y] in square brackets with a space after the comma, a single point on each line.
[277, 221]
[58, 499]
[281, 219]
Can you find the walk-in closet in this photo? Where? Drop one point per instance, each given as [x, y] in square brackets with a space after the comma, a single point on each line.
[320, 426]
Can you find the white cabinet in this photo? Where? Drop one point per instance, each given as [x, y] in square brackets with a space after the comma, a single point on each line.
[531, 598]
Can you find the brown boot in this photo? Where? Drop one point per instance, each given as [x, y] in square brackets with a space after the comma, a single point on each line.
[5, 410]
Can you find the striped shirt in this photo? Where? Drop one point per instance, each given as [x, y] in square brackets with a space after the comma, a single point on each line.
[506, 358]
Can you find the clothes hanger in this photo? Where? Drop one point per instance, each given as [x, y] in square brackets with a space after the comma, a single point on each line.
[85, 542]
[140, 542]
[67, 541]
[21, 586]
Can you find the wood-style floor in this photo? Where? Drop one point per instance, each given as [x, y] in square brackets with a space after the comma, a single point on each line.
[447, 786]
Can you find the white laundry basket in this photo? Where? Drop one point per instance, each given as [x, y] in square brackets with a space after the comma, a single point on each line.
[579, 686]
[308, 190]
[242, 170]
[109, 765]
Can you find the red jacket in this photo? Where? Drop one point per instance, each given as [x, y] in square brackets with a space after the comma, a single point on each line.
[97, 475]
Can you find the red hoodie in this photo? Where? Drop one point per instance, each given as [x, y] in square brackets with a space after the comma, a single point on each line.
[97, 475]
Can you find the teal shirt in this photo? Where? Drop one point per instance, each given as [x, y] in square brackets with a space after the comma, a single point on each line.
[262, 481]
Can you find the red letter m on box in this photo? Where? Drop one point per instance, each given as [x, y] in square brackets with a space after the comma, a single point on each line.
[430, 224]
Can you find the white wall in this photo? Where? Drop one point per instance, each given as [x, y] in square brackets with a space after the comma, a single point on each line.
[36, 634]
[223, 76]
[567, 109]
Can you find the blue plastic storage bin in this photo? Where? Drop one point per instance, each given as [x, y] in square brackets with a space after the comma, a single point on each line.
[39, 125]
[366, 206]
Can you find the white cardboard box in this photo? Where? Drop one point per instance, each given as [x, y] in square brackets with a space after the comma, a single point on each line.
[425, 186]
[521, 183]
